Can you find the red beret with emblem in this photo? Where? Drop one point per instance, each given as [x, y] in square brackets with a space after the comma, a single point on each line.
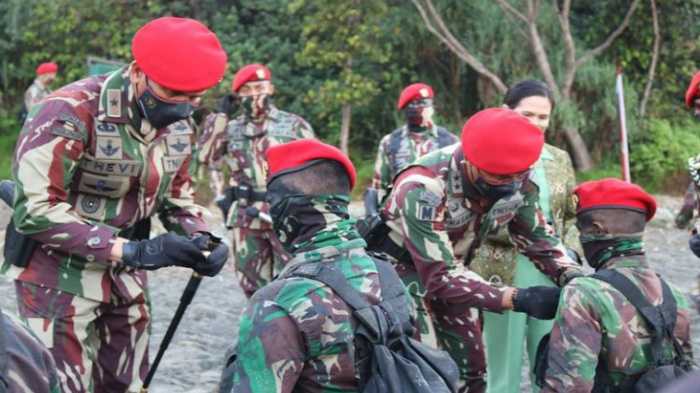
[412, 92]
[500, 141]
[693, 89]
[614, 193]
[293, 154]
[179, 53]
[250, 73]
[46, 68]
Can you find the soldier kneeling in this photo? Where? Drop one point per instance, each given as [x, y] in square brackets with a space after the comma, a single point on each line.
[622, 329]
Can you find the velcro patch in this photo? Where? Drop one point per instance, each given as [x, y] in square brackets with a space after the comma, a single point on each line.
[68, 131]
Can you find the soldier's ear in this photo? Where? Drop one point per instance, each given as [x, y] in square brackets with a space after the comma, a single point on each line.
[272, 89]
[599, 228]
[136, 75]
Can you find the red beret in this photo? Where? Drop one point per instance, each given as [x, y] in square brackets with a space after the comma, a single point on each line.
[293, 154]
[692, 93]
[414, 92]
[614, 193]
[501, 142]
[179, 54]
[250, 73]
[46, 68]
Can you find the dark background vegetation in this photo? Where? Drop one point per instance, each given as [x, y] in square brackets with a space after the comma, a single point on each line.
[327, 55]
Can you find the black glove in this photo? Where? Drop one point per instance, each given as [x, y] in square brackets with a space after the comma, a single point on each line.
[538, 301]
[694, 244]
[217, 257]
[164, 250]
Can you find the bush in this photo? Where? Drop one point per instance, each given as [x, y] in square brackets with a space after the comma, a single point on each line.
[659, 156]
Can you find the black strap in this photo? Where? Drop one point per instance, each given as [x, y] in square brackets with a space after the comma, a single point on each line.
[245, 191]
[4, 357]
[661, 319]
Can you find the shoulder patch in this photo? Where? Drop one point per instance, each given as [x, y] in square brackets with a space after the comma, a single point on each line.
[69, 126]
[427, 206]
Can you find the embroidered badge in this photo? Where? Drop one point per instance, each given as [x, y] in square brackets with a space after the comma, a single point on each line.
[108, 148]
[173, 164]
[114, 103]
[178, 145]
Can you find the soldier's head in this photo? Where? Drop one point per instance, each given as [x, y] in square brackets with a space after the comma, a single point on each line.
[532, 99]
[611, 215]
[500, 147]
[416, 102]
[176, 60]
[253, 86]
[308, 188]
[46, 72]
[692, 96]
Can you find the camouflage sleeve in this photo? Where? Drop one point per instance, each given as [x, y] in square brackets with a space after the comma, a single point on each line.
[211, 145]
[46, 158]
[574, 344]
[681, 331]
[382, 174]
[304, 129]
[421, 216]
[536, 239]
[687, 211]
[271, 352]
[179, 213]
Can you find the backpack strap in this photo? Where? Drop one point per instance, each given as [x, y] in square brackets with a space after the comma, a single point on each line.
[661, 319]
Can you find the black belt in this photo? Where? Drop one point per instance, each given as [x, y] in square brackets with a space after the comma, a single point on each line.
[246, 192]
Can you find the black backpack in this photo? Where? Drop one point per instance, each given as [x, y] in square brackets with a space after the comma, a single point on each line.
[389, 359]
[661, 320]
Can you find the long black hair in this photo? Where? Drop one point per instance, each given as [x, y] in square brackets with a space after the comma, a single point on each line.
[527, 88]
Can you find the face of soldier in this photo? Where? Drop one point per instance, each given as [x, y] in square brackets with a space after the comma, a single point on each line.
[696, 109]
[495, 187]
[47, 79]
[162, 106]
[419, 114]
[255, 98]
[536, 109]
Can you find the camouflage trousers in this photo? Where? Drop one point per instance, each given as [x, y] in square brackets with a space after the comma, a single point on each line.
[457, 333]
[98, 347]
[258, 256]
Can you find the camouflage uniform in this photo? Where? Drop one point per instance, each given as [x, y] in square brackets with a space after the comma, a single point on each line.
[400, 148]
[243, 147]
[689, 207]
[35, 93]
[436, 216]
[595, 320]
[29, 366]
[86, 167]
[296, 335]
[499, 262]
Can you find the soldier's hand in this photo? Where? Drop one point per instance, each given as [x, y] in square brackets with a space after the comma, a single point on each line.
[694, 244]
[164, 250]
[218, 254]
[539, 301]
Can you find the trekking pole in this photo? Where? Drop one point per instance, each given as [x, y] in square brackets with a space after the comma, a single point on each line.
[185, 300]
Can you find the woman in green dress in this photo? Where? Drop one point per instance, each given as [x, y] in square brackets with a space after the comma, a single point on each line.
[498, 262]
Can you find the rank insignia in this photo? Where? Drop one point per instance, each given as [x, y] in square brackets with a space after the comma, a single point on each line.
[108, 148]
[114, 103]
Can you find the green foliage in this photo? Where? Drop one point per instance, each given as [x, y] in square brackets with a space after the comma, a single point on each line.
[661, 154]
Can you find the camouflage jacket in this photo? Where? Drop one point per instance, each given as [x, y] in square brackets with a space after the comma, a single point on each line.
[554, 176]
[690, 205]
[296, 335]
[441, 222]
[242, 145]
[86, 167]
[35, 93]
[30, 366]
[400, 148]
[594, 319]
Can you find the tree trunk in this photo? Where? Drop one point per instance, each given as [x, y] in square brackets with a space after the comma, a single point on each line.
[579, 152]
[346, 114]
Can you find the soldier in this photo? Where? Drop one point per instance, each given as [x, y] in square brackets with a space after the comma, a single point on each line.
[599, 337]
[499, 262]
[98, 156]
[297, 333]
[440, 210]
[690, 200]
[418, 137]
[40, 88]
[243, 147]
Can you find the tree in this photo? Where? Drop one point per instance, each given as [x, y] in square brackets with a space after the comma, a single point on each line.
[528, 25]
[343, 36]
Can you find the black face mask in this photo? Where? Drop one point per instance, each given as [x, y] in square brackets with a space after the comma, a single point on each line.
[696, 114]
[162, 113]
[415, 114]
[599, 248]
[255, 106]
[496, 192]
